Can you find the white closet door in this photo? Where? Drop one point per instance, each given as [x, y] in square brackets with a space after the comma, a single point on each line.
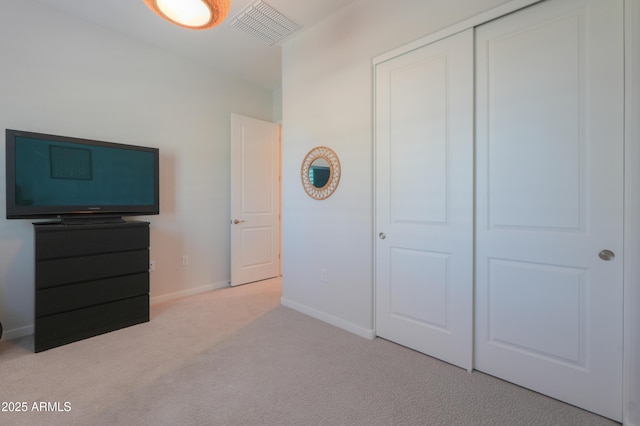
[424, 199]
[550, 201]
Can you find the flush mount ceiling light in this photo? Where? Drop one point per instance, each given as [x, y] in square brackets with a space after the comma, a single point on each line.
[192, 14]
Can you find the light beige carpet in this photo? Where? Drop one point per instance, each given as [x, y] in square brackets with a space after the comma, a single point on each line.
[236, 357]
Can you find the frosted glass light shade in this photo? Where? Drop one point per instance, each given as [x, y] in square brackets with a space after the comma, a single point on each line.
[193, 14]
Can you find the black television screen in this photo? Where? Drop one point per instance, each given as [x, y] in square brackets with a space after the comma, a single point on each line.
[64, 177]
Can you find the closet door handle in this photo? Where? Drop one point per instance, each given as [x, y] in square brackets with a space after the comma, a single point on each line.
[382, 235]
[236, 221]
[606, 255]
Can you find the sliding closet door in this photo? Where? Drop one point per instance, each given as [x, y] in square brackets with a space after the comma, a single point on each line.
[424, 199]
[549, 201]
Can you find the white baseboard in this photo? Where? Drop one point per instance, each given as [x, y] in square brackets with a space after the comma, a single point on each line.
[190, 292]
[16, 333]
[333, 320]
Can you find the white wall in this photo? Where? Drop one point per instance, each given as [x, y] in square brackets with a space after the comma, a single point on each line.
[327, 100]
[62, 76]
[277, 105]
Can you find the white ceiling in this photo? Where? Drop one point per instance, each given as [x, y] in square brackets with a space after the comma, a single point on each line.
[222, 48]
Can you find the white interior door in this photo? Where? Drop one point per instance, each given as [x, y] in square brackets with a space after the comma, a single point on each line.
[550, 200]
[255, 200]
[424, 199]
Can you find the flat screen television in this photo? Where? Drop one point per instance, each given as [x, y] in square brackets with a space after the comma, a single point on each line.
[75, 179]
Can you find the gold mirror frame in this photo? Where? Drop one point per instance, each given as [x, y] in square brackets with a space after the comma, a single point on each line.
[334, 175]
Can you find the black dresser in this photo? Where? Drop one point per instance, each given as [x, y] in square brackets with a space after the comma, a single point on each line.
[89, 279]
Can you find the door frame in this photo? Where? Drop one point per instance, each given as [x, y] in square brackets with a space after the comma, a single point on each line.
[631, 270]
[631, 279]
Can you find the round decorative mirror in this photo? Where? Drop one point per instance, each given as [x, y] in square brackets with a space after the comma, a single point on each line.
[320, 172]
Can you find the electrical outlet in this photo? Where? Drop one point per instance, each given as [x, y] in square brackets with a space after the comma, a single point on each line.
[185, 260]
[323, 275]
[152, 265]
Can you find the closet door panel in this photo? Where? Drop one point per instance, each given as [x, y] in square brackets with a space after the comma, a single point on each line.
[424, 199]
[549, 201]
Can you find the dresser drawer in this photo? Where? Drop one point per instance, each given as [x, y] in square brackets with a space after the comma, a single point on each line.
[60, 329]
[51, 273]
[76, 296]
[59, 241]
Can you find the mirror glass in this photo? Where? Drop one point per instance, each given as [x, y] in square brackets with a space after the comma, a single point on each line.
[320, 172]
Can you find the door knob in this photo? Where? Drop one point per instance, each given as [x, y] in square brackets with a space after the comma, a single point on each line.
[236, 221]
[382, 235]
[606, 255]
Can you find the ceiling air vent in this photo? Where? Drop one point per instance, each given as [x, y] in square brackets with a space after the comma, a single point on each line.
[264, 22]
